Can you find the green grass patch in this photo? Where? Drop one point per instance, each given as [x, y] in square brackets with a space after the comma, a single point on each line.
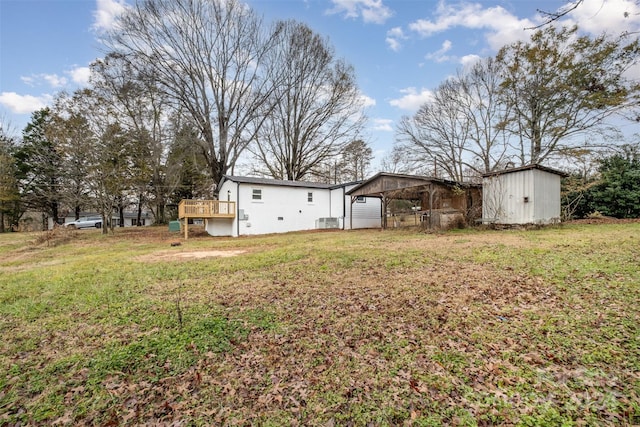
[364, 327]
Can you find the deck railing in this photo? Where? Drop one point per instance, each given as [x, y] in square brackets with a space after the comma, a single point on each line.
[206, 209]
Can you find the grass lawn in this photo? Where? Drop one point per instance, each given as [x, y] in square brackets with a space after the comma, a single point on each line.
[322, 328]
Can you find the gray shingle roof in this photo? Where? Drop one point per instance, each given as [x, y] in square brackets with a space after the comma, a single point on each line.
[278, 182]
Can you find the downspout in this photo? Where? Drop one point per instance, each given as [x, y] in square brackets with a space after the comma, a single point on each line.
[383, 212]
[344, 207]
[351, 212]
[238, 208]
[430, 206]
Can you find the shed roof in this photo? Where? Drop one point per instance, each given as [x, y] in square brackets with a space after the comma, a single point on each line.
[524, 168]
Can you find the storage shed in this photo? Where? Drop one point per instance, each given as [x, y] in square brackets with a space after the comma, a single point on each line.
[524, 195]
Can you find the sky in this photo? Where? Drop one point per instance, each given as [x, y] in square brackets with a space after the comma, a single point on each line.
[401, 49]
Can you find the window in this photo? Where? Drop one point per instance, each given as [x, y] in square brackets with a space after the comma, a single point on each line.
[310, 197]
[361, 199]
[134, 222]
[257, 194]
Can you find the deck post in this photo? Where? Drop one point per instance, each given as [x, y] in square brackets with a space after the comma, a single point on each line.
[186, 228]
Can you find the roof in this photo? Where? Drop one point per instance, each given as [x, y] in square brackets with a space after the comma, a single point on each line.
[282, 183]
[525, 168]
[400, 181]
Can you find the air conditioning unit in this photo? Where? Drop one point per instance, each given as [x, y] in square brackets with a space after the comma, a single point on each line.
[324, 223]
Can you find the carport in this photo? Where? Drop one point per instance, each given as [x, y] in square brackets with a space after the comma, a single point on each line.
[436, 196]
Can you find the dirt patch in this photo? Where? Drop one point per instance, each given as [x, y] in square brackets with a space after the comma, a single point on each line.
[604, 220]
[169, 255]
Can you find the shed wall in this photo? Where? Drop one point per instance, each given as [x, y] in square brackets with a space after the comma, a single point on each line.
[522, 197]
[547, 197]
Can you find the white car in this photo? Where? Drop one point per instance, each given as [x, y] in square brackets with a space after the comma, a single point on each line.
[85, 222]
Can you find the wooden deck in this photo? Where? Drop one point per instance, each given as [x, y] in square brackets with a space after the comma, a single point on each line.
[204, 209]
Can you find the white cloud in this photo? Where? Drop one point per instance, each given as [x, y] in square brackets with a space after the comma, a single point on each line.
[53, 80]
[106, 13]
[367, 101]
[598, 16]
[28, 80]
[412, 98]
[439, 55]
[384, 125]
[80, 75]
[371, 11]
[502, 27]
[394, 37]
[469, 60]
[23, 104]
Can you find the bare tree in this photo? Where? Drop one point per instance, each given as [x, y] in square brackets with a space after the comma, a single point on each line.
[134, 97]
[208, 56]
[438, 133]
[317, 108]
[550, 17]
[397, 161]
[487, 144]
[356, 158]
[564, 10]
[560, 86]
[461, 131]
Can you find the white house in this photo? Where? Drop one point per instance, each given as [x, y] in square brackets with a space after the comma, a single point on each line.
[265, 206]
[524, 195]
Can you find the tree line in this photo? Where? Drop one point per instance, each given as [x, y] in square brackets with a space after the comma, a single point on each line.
[558, 99]
[545, 101]
[189, 91]
[186, 92]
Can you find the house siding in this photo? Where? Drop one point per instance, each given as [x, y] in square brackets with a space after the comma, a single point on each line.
[285, 208]
[367, 214]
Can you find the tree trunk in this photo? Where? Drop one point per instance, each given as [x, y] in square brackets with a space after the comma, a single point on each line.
[121, 215]
[139, 217]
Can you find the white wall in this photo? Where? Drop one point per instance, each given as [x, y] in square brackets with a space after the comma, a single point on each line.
[286, 208]
[547, 197]
[281, 209]
[367, 214]
[522, 197]
[225, 226]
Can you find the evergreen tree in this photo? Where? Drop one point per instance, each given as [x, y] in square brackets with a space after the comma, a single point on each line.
[39, 166]
[9, 193]
[618, 193]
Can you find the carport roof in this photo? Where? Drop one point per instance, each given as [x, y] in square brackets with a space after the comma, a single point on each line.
[385, 182]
